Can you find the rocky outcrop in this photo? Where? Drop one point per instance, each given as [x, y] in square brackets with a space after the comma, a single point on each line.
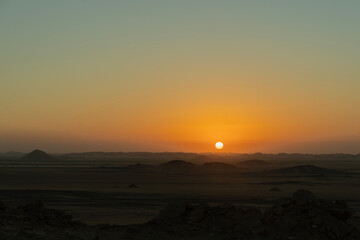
[34, 221]
[38, 155]
[302, 216]
[177, 165]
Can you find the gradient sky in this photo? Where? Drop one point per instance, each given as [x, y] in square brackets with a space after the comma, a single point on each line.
[261, 76]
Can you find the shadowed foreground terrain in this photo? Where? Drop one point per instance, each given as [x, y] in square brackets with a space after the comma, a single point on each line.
[178, 196]
[302, 216]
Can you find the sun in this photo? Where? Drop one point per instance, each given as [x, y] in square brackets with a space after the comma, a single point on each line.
[219, 145]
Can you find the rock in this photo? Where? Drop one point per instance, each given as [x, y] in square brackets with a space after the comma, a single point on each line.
[253, 211]
[288, 223]
[174, 210]
[303, 196]
[278, 210]
[342, 214]
[34, 208]
[238, 215]
[317, 220]
[196, 216]
[133, 186]
[342, 230]
[305, 217]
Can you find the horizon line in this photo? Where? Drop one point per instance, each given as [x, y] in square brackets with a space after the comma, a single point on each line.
[207, 153]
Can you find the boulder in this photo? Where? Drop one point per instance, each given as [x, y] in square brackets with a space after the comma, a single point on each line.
[342, 213]
[303, 196]
[196, 215]
[34, 209]
[2, 206]
[174, 210]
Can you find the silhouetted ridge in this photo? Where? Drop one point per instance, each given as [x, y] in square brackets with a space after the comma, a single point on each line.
[139, 167]
[38, 155]
[12, 154]
[15, 154]
[253, 163]
[218, 166]
[177, 165]
[306, 169]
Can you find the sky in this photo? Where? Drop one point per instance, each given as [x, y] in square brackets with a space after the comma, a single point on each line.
[260, 76]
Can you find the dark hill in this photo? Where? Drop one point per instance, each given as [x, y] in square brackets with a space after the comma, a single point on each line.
[177, 165]
[218, 166]
[306, 169]
[253, 163]
[38, 155]
[139, 167]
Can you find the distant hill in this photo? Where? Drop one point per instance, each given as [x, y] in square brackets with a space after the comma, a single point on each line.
[12, 154]
[156, 156]
[138, 167]
[252, 163]
[218, 166]
[177, 165]
[38, 155]
[306, 170]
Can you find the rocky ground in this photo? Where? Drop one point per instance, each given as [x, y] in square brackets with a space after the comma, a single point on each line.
[301, 217]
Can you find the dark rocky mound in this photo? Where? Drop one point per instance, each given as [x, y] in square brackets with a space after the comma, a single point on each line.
[133, 186]
[252, 163]
[34, 221]
[307, 170]
[177, 165]
[302, 217]
[38, 155]
[218, 166]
